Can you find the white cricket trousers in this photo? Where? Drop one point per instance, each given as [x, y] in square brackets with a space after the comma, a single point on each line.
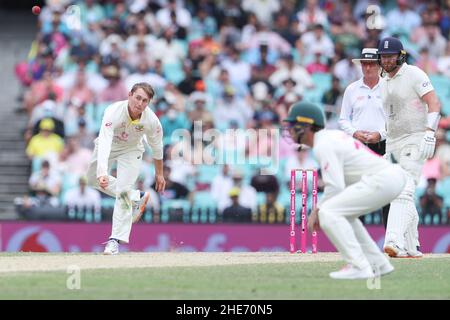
[338, 216]
[121, 188]
[403, 219]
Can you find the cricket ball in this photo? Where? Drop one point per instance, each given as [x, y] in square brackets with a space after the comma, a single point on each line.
[36, 10]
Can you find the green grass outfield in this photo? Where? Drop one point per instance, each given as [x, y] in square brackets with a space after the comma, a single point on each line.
[295, 277]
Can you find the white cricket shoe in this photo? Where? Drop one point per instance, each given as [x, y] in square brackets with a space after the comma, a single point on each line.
[383, 270]
[414, 254]
[395, 251]
[112, 247]
[139, 206]
[350, 272]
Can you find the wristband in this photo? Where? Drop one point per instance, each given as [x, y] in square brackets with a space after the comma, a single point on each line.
[433, 120]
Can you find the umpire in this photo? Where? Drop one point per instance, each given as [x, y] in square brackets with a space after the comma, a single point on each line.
[362, 114]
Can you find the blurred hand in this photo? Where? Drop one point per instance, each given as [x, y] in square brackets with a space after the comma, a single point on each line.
[313, 221]
[160, 183]
[373, 137]
[361, 135]
[103, 181]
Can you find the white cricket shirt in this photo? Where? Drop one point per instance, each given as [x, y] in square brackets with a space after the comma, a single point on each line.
[406, 112]
[119, 133]
[343, 160]
[362, 109]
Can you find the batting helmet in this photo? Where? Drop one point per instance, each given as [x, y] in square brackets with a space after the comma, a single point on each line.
[391, 45]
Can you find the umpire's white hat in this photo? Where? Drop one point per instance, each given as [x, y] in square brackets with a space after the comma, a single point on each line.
[367, 54]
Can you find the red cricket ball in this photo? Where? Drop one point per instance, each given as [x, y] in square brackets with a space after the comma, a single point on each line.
[36, 10]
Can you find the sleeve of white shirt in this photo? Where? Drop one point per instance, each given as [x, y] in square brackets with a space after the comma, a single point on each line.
[422, 84]
[155, 137]
[105, 138]
[332, 169]
[345, 121]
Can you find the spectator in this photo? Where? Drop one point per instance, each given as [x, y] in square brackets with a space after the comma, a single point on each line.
[174, 190]
[402, 20]
[346, 71]
[80, 90]
[433, 41]
[443, 62]
[46, 142]
[168, 50]
[430, 202]
[83, 196]
[199, 111]
[238, 70]
[45, 181]
[443, 153]
[85, 136]
[318, 65]
[201, 23]
[231, 108]
[116, 89]
[262, 69]
[187, 85]
[263, 9]
[236, 212]
[270, 211]
[311, 15]
[75, 159]
[183, 17]
[40, 91]
[47, 109]
[314, 41]
[220, 184]
[283, 27]
[247, 196]
[291, 70]
[331, 97]
[426, 63]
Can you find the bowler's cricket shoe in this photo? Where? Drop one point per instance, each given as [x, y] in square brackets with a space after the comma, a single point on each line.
[139, 206]
[395, 251]
[112, 247]
[350, 272]
[383, 269]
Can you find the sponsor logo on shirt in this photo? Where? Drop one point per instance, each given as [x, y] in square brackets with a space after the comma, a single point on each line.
[425, 84]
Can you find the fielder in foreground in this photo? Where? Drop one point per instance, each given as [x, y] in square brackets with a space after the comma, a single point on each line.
[124, 125]
[357, 181]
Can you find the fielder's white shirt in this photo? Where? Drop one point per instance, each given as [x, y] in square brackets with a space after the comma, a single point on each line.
[406, 112]
[343, 161]
[119, 133]
[362, 109]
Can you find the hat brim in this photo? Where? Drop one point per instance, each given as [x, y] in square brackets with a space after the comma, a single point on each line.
[358, 61]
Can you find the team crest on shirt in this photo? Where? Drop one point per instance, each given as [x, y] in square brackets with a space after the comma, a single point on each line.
[139, 127]
[123, 125]
[108, 124]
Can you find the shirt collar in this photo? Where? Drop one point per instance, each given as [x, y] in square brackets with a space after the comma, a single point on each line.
[131, 120]
[363, 85]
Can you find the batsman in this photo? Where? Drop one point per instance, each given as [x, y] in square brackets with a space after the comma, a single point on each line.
[357, 181]
[413, 112]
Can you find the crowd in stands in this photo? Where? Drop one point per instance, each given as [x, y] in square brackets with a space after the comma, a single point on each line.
[229, 64]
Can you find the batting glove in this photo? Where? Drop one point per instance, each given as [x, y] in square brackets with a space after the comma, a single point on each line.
[427, 145]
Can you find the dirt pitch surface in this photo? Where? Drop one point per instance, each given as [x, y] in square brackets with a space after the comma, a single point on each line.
[32, 262]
